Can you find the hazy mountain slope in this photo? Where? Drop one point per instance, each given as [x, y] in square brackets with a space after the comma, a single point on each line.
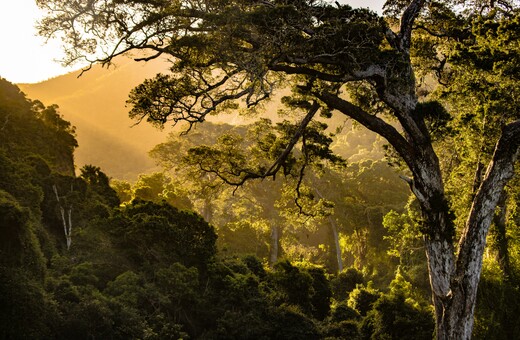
[95, 104]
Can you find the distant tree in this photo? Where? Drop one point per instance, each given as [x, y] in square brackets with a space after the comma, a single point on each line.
[396, 315]
[157, 187]
[123, 190]
[98, 182]
[259, 208]
[224, 51]
[155, 234]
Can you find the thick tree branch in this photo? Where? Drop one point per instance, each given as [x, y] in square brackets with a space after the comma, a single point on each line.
[499, 172]
[367, 73]
[407, 22]
[369, 121]
[307, 71]
[283, 157]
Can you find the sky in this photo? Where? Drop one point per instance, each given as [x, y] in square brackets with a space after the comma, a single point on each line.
[25, 57]
[28, 58]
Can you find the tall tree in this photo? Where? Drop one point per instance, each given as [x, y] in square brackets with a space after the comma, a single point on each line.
[222, 51]
[482, 83]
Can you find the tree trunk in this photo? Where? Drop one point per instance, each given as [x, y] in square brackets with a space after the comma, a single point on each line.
[275, 238]
[454, 285]
[500, 242]
[439, 252]
[66, 220]
[335, 235]
[207, 210]
[334, 229]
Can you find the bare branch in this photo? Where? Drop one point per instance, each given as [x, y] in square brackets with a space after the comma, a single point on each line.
[371, 122]
[283, 157]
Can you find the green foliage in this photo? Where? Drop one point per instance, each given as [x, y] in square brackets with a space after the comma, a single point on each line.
[393, 318]
[155, 234]
[30, 128]
[303, 286]
[482, 91]
[14, 180]
[398, 315]
[26, 310]
[362, 298]
[99, 183]
[341, 330]
[436, 117]
[227, 55]
[497, 315]
[293, 285]
[342, 312]
[345, 282]
[290, 323]
[180, 285]
[150, 271]
[123, 190]
[157, 187]
[19, 247]
[240, 307]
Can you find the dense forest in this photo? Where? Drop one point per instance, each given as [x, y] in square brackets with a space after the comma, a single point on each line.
[84, 257]
[297, 223]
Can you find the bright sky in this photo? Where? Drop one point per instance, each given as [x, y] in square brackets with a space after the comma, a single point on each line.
[27, 58]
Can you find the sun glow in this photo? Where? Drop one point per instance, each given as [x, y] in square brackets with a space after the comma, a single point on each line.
[26, 57]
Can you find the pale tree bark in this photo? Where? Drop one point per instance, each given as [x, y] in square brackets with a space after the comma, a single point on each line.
[66, 218]
[207, 209]
[335, 235]
[458, 318]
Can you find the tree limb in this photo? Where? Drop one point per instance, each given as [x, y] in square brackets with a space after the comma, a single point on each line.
[407, 21]
[499, 172]
[283, 157]
[369, 121]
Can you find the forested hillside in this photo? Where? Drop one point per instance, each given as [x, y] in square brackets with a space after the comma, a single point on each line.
[76, 264]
